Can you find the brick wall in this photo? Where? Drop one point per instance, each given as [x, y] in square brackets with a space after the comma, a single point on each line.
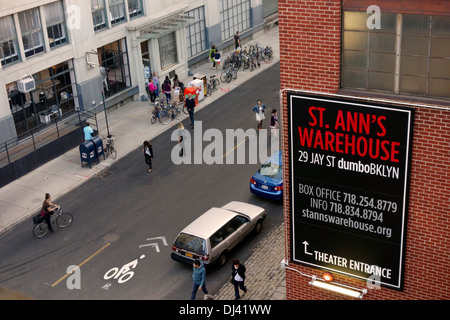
[310, 38]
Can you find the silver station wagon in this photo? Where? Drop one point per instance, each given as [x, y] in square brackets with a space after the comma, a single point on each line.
[211, 236]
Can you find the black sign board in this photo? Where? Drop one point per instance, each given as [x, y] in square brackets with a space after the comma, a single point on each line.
[349, 178]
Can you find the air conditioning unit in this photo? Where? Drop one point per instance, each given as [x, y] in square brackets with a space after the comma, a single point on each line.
[26, 84]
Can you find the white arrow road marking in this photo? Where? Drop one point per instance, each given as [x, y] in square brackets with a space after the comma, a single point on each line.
[155, 245]
[163, 239]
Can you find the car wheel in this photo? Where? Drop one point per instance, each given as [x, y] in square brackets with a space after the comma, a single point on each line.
[222, 259]
[258, 227]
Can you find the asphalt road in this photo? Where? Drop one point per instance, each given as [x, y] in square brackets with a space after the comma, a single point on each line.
[116, 213]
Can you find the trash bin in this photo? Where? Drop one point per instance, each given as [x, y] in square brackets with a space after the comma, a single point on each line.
[98, 143]
[87, 152]
[193, 91]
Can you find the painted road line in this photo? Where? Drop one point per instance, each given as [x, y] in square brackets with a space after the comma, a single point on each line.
[81, 264]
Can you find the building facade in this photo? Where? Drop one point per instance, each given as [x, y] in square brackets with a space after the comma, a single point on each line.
[66, 55]
[357, 76]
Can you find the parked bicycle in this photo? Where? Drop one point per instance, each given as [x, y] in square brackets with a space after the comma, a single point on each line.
[175, 111]
[58, 218]
[162, 114]
[212, 84]
[110, 150]
[228, 74]
[268, 54]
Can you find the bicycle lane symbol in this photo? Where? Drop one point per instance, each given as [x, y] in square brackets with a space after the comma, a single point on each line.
[122, 274]
[125, 273]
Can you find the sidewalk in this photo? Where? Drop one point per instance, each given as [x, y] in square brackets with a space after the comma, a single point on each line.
[130, 124]
[264, 278]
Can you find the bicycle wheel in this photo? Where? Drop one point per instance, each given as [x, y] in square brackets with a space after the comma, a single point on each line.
[223, 76]
[164, 117]
[177, 112]
[64, 220]
[185, 110]
[216, 83]
[113, 151]
[40, 229]
[246, 65]
[268, 58]
[154, 116]
[229, 77]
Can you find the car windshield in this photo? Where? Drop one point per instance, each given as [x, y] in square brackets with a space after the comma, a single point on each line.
[271, 170]
[191, 243]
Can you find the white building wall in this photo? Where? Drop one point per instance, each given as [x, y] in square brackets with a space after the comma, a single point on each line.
[83, 39]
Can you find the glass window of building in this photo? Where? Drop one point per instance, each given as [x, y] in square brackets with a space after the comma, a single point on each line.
[113, 58]
[98, 14]
[234, 16]
[369, 54]
[32, 37]
[168, 50]
[408, 54]
[116, 11]
[196, 32]
[9, 50]
[52, 99]
[135, 8]
[56, 24]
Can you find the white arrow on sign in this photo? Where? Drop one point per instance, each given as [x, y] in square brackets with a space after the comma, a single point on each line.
[155, 245]
[306, 244]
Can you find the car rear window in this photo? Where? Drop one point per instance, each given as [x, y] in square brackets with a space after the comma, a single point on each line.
[271, 170]
[191, 243]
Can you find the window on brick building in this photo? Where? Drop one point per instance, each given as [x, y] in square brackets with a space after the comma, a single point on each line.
[409, 54]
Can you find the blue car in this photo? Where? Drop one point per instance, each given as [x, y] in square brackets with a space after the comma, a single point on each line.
[268, 181]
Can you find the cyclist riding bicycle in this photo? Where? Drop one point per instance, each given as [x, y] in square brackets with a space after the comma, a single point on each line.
[48, 209]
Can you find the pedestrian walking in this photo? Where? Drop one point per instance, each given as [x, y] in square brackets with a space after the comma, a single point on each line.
[156, 83]
[152, 89]
[198, 276]
[259, 111]
[148, 154]
[274, 123]
[238, 277]
[190, 106]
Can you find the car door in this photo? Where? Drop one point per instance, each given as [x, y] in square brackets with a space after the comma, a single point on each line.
[238, 228]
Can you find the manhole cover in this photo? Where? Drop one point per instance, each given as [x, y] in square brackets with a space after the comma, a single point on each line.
[105, 174]
[111, 237]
